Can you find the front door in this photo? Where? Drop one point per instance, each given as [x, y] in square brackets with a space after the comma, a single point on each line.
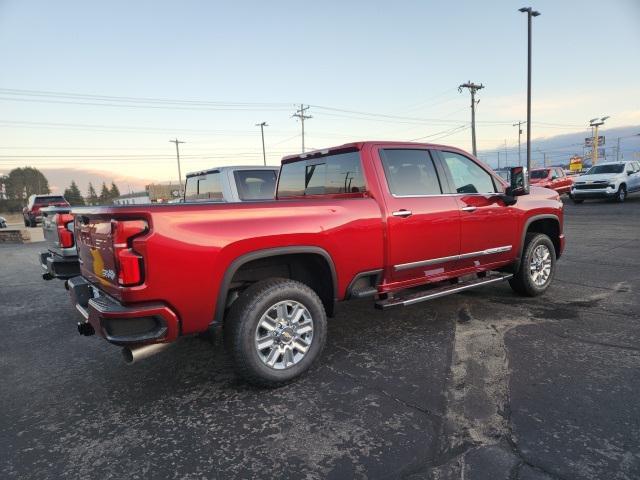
[488, 228]
[423, 228]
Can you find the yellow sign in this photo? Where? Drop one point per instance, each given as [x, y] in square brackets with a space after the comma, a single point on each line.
[575, 164]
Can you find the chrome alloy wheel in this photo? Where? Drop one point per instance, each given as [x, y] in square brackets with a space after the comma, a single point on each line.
[284, 334]
[540, 266]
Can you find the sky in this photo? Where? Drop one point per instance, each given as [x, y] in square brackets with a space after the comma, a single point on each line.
[206, 72]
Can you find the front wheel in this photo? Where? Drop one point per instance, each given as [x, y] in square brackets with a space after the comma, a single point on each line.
[275, 331]
[621, 195]
[537, 266]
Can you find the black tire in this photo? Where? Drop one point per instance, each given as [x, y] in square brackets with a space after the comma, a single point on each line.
[522, 282]
[621, 195]
[26, 222]
[241, 325]
[577, 200]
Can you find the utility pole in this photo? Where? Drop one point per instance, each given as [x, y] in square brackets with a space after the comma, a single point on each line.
[519, 124]
[176, 141]
[301, 115]
[530, 13]
[262, 125]
[473, 88]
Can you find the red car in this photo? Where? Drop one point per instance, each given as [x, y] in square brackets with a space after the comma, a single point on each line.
[399, 222]
[32, 214]
[553, 178]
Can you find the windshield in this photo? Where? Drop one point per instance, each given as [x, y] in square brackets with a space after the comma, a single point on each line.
[606, 168]
[255, 184]
[539, 173]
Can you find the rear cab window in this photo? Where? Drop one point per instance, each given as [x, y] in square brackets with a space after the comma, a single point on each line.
[46, 200]
[205, 187]
[255, 184]
[329, 174]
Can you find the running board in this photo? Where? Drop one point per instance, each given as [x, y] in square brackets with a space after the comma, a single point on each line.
[424, 295]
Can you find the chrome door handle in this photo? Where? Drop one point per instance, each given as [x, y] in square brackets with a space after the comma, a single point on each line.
[469, 209]
[402, 213]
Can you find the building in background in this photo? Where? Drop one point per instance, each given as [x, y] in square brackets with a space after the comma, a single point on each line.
[153, 193]
[135, 198]
[163, 192]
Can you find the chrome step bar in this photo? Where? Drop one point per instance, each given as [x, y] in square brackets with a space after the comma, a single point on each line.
[437, 292]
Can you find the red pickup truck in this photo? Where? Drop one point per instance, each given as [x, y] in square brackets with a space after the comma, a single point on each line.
[399, 222]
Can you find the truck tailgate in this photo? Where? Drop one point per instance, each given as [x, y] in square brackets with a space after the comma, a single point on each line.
[95, 249]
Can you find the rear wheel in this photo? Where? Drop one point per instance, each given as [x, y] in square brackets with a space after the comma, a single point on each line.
[537, 266]
[275, 331]
[621, 195]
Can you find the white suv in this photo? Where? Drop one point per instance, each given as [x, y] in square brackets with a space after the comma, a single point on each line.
[613, 180]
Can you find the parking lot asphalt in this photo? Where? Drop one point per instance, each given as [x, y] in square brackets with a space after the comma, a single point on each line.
[479, 385]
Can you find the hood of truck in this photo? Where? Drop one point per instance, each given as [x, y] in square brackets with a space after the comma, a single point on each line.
[598, 177]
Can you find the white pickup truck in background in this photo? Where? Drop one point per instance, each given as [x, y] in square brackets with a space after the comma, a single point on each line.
[231, 184]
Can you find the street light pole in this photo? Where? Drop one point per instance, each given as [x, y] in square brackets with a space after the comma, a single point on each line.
[176, 141]
[262, 125]
[530, 13]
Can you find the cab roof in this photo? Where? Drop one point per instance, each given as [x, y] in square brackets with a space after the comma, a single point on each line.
[353, 146]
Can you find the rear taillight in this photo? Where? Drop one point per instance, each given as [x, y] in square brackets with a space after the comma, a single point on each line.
[129, 263]
[64, 222]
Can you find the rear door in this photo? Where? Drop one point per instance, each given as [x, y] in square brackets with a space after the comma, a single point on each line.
[423, 224]
[488, 228]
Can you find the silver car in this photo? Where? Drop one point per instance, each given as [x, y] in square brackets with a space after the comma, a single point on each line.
[614, 180]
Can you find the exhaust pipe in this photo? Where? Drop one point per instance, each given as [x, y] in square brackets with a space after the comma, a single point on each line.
[47, 276]
[86, 329]
[134, 354]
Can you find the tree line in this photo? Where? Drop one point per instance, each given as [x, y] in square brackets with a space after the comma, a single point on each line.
[20, 183]
[107, 195]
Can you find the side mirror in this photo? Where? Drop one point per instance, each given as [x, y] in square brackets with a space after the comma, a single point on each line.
[519, 182]
[629, 173]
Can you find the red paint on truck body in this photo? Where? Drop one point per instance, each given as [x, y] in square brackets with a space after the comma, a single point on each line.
[188, 248]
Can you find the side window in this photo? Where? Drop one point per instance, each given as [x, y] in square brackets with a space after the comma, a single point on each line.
[335, 173]
[467, 175]
[410, 172]
[637, 167]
